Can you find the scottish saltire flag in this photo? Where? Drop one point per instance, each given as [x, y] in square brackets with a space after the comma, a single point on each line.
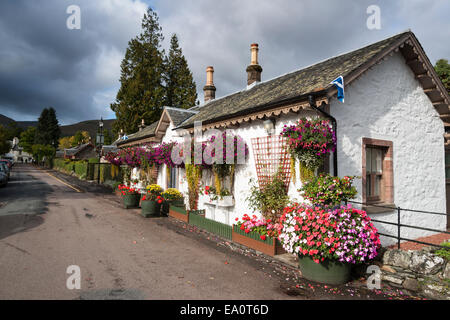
[125, 137]
[339, 83]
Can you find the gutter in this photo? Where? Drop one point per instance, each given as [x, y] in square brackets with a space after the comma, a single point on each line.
[312, 103]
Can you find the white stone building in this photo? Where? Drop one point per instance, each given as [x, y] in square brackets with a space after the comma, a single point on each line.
[394, 114]
[17, 153]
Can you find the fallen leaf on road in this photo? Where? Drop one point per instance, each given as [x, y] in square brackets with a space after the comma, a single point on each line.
[226, 262]
[134, 242]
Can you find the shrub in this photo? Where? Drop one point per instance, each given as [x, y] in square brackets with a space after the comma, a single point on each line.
[270, 200]
[328, 190]
[345, 233]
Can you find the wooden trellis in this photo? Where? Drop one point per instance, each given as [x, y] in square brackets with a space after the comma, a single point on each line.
[271, 156]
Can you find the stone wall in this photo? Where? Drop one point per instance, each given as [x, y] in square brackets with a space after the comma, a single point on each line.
[419, 272]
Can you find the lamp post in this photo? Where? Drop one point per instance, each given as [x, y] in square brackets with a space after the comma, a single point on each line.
[100, 141]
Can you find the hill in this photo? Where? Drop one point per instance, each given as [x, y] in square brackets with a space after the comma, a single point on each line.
[90, 126]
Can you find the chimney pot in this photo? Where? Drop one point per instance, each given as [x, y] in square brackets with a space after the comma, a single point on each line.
[209, 89]
[254, 69]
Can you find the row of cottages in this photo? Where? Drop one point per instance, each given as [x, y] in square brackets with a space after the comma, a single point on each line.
[394, 115]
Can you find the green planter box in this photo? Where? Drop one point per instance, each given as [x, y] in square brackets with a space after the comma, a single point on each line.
[166, 205]
[197, 218]
[328, 271]
[150, 209]
[131, 201]
[179, 213]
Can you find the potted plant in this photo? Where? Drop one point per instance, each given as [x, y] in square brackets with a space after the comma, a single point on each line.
[328, 190]
[151, 201]
[172, 197]
[130, 196]
[328, 241]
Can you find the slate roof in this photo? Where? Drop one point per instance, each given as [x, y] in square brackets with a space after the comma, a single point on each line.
[179, 115]
[76, 150]
[148, 131]
[292, 85]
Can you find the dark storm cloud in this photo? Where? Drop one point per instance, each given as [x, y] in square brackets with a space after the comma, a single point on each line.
[42, 63]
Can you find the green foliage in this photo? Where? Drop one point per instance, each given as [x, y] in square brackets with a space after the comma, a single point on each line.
[80, 168]
[270, 200]
[108, 137]
[442, 68]
[5, 146]
[93, 160]
[27, 139]
[80, 137]
[48, 130]
[328, 190]
[141, 95]
[13, 130]
[444, 253]
[43, 153]
[180, 86]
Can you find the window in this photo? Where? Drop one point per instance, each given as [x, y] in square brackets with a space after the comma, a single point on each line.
[374, 172]
[377, 171]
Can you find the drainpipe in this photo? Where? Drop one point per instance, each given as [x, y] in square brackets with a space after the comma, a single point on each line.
[312, 103]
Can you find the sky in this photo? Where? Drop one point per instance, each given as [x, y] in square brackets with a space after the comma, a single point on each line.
[43, 63]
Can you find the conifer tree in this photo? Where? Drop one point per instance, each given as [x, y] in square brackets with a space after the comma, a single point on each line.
[180, 86]
[141, 95]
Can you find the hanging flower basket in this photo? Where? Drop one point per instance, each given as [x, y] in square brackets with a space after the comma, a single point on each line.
[310, 141]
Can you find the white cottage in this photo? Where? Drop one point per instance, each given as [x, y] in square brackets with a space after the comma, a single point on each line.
[395, 113]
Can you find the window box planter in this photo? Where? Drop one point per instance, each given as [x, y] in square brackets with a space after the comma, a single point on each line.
[131, 200]
[197, 218]
[270, 246]
[179, 213]
[150, 209]
[328, 271]
[226, 201]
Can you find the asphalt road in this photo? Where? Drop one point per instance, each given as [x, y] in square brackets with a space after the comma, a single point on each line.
[47, 226]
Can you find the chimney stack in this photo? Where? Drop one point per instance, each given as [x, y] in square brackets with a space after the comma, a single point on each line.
[254, 69]
[142, 125]
[209, 89]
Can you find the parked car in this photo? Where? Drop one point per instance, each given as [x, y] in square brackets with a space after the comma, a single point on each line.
[6, 169]
[11, 160]
[8, 162]
[3, 177]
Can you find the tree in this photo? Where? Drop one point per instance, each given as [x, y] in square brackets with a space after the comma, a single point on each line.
[80, 137]
[13, 130]
[108, 137]
[180, 86]
[141, 94]
[27, 139]
[5, 145]
[43, 153]
[442, 68]
[65, 143]
[48, 131]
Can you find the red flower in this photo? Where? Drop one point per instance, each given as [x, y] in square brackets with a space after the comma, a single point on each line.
[263, 237]
[247, 230]
[159, 201]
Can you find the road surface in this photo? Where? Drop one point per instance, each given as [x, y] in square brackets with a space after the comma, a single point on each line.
[47, 226]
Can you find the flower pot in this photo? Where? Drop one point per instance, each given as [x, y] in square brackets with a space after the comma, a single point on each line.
[131, 200]
[328, 271]
[150, 208]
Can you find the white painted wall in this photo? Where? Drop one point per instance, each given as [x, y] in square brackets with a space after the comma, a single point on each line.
[385, 103]
[388, 103]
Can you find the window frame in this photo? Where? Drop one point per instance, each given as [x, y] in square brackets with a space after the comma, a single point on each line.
[386, 192]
